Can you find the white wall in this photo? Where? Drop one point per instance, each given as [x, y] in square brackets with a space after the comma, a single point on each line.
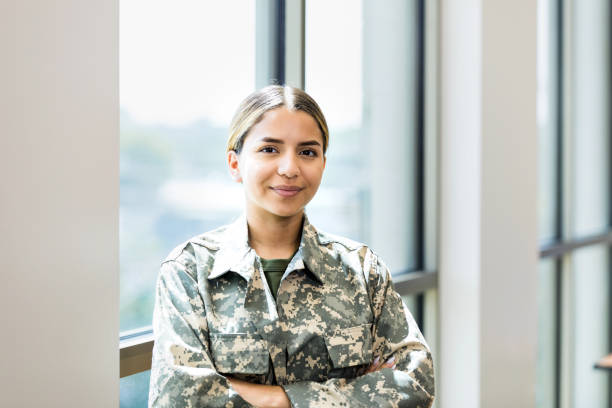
[59, 192]
[488, 214]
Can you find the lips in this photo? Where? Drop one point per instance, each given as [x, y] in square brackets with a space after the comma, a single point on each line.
[286, 191]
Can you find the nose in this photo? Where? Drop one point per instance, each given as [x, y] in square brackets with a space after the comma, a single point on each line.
[288, 166]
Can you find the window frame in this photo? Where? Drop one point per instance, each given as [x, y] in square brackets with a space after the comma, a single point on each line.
[567, 242]
[280, 56]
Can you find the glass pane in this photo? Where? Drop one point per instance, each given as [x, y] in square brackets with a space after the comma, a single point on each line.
[184, 66]
[546, 369]
[412, 304]
[547, 113]
[134, 390]
[591, 274]
[591, 110]
[361, 66]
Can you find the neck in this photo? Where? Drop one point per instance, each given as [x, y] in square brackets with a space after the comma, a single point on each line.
[274, 237]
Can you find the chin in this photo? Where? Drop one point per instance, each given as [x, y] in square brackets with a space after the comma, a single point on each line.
[286, 212]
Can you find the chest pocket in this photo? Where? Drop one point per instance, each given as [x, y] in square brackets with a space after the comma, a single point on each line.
[351, 346]
[239, 353]
[340, 353]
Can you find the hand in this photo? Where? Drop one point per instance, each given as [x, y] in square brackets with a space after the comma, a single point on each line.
[379, 365]
[259, 395]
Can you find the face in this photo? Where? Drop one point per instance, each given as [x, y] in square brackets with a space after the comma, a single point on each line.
[281, 163]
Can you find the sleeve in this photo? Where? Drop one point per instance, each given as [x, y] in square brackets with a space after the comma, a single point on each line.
[395, 333]
[182, 372]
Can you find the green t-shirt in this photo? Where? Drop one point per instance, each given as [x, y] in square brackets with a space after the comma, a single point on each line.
[274, 270]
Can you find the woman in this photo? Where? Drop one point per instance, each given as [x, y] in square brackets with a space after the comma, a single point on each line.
[270, 312]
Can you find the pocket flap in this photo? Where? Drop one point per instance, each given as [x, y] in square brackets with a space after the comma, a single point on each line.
[239, 353]
[350, 346]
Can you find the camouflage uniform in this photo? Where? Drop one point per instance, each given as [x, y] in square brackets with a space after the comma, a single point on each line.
[336, 311]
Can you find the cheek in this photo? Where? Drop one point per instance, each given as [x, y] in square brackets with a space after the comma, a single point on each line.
[254, 173]
[314, 176]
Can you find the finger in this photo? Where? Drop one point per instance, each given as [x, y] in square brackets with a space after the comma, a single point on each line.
[373, 367]
[390, 363]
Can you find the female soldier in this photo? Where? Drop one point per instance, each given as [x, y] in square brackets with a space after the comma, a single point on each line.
[269, 311]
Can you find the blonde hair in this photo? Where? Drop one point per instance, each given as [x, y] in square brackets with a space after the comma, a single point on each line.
[252, 109]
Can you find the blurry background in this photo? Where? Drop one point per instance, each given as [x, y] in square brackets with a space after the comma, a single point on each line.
[185, 66]
[470, 146]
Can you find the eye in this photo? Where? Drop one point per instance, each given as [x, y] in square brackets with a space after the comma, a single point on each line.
[268, 149]
[309, 153]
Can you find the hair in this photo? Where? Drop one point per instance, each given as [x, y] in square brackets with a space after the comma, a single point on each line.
[252, 109]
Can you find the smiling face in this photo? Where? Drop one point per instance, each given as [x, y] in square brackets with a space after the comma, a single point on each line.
[281, 163]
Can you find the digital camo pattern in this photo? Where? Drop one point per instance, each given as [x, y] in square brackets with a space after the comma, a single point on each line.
[336, 311]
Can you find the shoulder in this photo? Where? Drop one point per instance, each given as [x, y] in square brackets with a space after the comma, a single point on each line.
[349, 251]
[336, 243]
[189, 251]
[339, 242]
[356, 261]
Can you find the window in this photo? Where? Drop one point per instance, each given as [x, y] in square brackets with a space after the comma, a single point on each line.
[185, 67]
[362, 65]
[575, 202]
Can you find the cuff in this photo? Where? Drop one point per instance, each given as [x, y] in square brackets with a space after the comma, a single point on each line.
[300, 394]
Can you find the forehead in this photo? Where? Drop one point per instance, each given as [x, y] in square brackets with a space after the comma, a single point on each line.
[282, 123]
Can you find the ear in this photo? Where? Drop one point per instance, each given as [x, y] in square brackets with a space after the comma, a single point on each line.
[234, 169]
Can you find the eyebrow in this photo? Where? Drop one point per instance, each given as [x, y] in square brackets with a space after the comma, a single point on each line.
[278, 141]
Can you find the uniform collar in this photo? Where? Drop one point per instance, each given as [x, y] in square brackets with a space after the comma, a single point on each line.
[236, 255]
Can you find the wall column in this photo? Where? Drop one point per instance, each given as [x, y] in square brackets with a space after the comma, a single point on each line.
[488, 204]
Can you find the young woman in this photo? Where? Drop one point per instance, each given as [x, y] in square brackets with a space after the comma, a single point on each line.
[269, 311]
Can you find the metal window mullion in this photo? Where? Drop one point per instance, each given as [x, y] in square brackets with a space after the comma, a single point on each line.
[269, 42]
[609, 194]
[567, 341]
[421, 183]
[431, 136]
[567, 299]
[566, 124]
[415, 282]
[557, 311]
[609, 25]
[430, 79]
[610, 275]
[562, 248]
[294, 43]
[280, 42]
[420, 150]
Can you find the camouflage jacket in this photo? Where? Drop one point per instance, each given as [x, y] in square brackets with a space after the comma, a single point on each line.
[336, 310]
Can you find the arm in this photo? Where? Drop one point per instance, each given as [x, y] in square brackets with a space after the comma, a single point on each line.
[182, 372]
[396, 335]
[262, 396]
[273, 396]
